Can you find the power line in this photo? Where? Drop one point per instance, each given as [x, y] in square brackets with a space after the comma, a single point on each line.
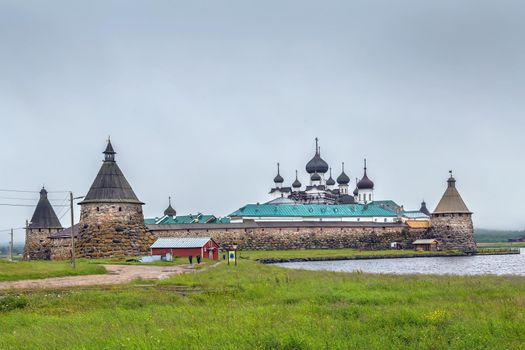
[15, 229]
[31, 199]
[67, 211]
[24, 191]
[18, 191]
[25, 205]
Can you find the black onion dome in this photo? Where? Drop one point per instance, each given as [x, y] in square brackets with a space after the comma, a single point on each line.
[169, 210]
[343, 179]
[317, 164]
[315, 177]
[365, 183]
[278, 179]
[44, 215]
[330, 181]
[296, 183]
[356, 191]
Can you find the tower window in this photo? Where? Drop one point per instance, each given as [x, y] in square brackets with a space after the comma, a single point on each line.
[119, 208]
[98, 209]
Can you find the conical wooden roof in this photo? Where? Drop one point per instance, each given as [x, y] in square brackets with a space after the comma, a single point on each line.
[451, 202]
[44, 215]
[110, 185]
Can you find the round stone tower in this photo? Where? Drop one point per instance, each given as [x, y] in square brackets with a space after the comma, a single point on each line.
[43, 223]
[452, 221]
[111, 218]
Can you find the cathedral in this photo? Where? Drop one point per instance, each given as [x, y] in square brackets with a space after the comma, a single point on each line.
[319, 189]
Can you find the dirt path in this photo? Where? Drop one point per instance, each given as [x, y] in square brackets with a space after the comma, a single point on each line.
[117, 274]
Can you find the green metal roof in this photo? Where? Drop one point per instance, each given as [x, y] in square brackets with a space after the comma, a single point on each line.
[312, 210]
[181, 219]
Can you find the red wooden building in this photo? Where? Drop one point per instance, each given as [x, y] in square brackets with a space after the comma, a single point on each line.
[187, 246]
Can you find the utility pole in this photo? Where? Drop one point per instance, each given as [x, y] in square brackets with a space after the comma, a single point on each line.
[73, 262]
[11, 247]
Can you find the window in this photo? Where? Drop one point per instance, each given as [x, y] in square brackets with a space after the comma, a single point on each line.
[370, 197]
[119, 208]
[98, 209]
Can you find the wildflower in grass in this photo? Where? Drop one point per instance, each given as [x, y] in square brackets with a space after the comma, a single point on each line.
[436, 316]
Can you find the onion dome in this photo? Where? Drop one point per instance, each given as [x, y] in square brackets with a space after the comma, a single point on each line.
[343, 179]
[346, 199]
[169, 210]
[278, 179]
[356, 191]
[365, 183]
[424, 209]
[330, 181]
[317, 164]
[296, 183]
[315, 177]
[44, 215]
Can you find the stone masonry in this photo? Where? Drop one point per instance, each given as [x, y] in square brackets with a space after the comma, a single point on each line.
[453, 231]
[321, 237]
[112, 230]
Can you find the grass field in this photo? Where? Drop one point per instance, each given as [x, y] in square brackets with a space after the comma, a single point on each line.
[21, 270]
[254, 306]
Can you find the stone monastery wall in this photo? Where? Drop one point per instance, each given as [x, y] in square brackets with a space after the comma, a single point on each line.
[323, 236]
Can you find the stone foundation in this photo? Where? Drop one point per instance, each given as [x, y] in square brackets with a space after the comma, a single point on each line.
[112, 230]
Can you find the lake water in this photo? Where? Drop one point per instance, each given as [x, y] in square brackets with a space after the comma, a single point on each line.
[513, 264]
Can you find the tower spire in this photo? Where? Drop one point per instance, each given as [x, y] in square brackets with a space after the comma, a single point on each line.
[109, 152]
[316, 145]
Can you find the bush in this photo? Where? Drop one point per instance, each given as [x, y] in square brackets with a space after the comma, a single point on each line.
[13, 302]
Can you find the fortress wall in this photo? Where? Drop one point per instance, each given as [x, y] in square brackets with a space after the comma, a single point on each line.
[281, 238]
[60, 248]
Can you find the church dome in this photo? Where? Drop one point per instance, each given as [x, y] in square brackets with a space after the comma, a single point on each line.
[315, 177]
[356, 191]
[169, 210]
[317, 164]
[278, 179]
[330, 181]
[296, 183]
[365, 183]
[343, 179]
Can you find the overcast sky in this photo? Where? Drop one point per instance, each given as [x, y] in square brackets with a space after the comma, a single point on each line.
[202, 98]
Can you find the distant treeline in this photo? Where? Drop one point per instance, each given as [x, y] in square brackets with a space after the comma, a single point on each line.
[492, 236]
[18, 249]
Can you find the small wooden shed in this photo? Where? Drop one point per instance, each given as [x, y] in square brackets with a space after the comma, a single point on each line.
[425, 244]
[205, 247]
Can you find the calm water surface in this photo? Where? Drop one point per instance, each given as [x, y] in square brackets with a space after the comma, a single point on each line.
[513, 264]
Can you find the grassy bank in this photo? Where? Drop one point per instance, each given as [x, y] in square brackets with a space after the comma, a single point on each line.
[502, 245]
[22, 270]
[254, 306]
[332, 253]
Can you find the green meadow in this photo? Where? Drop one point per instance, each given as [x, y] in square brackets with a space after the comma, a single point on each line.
[255, 306]
[22, 270]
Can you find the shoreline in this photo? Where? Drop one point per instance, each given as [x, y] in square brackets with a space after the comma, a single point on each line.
[268, 261]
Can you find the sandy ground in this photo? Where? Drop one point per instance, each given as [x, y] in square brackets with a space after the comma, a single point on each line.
[117, 274]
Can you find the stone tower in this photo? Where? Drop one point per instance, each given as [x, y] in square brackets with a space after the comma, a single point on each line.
[43, 223]
[111, 218]
[452, 221]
